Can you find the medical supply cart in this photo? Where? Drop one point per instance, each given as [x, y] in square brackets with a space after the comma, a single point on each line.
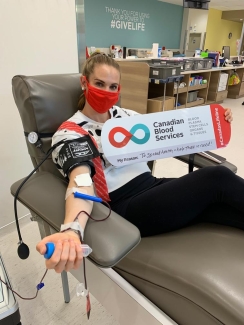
[9, 309]
[166, 74]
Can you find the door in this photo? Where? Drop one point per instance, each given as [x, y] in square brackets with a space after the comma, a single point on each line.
[194, 41]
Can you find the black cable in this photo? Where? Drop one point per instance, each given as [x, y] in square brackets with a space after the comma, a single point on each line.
[21, 185]
[88, 307]
[39, 286]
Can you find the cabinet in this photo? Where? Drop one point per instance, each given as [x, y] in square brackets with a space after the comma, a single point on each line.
[136, 88]
[184, 93]
[237, 91]
[218, 87]
[134, 85]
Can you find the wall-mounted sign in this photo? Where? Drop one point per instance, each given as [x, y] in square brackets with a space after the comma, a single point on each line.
[127, 19]
[165, 134]
[133, 24]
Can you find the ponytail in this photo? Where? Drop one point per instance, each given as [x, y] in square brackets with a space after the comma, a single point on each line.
[81, 102]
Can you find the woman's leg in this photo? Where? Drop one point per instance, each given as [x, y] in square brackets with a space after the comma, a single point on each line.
[174, 204]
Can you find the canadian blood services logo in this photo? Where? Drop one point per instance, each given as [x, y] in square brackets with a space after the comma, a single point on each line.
[129, 135]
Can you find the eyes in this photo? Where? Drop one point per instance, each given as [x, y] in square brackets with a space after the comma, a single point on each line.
[113, 87]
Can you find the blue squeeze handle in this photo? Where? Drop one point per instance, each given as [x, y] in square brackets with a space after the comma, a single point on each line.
[86, 250]
[49, 251]
[87, 197]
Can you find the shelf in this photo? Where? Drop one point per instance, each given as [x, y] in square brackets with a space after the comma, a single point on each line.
[205, 72]
[181, 106]
[197, 87]
[235, 96]
[195, 103]
[221, 95]
[181, 90]
[236, 91]
[136, 89]
[167, 80]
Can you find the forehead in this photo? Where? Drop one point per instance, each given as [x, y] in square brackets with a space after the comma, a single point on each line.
[104, 72]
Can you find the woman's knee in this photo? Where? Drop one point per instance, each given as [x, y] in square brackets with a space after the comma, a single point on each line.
[219, 172]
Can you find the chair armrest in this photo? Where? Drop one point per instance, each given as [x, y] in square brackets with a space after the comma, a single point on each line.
[201, 161]
[110, 240]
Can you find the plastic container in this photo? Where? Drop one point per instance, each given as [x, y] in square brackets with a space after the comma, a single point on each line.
[208, 63]
[199, 64]
[188, 64]
[141, 53]
[156, 61]
[197, 53]
[159, 52]
[195, 80]
[192, 96]
[164, 71]
[191, 81]
[174, 62]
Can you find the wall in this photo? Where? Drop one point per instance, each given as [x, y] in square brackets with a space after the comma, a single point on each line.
[218, 30]
[37, 37]
[107, 22]
[194, 21]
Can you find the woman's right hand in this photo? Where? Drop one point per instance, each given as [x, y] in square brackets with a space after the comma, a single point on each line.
[67, 254]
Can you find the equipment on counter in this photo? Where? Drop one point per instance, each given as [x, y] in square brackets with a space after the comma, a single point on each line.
[196, 4]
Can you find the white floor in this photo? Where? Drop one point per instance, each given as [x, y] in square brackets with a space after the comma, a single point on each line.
[49, 307]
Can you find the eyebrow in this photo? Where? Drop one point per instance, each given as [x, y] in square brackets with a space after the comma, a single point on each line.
[104, 82]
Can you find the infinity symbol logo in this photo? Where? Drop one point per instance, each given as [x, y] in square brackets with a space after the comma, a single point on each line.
[129, 135]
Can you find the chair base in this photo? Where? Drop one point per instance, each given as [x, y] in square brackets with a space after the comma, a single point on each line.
[109, 288]
[122, 300]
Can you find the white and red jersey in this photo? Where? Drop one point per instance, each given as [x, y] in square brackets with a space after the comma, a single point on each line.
[115, 176]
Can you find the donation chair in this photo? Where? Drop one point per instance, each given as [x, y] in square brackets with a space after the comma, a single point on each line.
[193, 276]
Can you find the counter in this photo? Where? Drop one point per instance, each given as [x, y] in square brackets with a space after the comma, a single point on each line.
[135, 59]
[136, 89]
[214, 69]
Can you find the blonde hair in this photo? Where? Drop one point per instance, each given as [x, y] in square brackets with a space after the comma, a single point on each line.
[88, 68]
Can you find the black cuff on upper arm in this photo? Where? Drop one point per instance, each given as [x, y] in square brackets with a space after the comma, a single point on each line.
[78, 152]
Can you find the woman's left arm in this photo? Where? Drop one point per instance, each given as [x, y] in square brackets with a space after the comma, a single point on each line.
[228, 115]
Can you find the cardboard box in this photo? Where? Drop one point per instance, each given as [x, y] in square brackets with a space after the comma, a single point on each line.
[155, 105]
[221, 95]
[224, 77]
[221, 88]
[223, 81]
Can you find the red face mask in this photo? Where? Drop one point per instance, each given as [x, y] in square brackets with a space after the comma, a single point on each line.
[101, 100]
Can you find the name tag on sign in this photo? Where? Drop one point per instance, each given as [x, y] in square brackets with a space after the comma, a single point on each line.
[165, 134]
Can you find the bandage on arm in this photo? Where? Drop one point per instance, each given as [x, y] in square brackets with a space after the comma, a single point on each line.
[73, 205]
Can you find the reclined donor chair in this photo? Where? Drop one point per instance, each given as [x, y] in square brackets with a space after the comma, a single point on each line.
[194, 276]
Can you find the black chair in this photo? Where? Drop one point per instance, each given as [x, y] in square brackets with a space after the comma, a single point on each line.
[193, 276]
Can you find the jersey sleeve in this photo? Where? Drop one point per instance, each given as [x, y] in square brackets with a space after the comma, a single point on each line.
[130, 112]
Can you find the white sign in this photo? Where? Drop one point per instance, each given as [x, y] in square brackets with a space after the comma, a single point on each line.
[127, 19]
[165, 134]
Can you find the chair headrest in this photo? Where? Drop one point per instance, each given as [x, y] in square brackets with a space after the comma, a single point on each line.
[46, 101]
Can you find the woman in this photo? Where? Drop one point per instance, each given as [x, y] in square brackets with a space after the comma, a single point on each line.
[153, 205]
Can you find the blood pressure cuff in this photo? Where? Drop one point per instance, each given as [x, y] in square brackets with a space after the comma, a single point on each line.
[78, 152]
